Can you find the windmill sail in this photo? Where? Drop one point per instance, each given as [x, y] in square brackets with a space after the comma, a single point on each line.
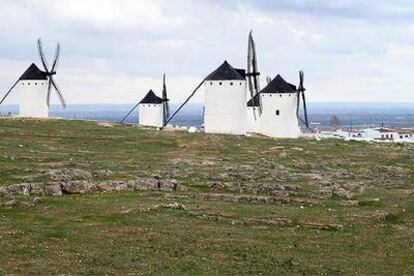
[8, 92]
[165, 101]
[253, 71]
[50, 73]
[301, 94]
[183, 104]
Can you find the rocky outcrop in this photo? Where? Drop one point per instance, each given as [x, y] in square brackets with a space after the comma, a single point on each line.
[66, 174]
[254, 199]
[83, 186]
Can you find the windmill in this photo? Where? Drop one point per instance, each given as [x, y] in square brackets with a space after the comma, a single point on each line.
[158, 106]
[301, 94]
[34, 73]
[165, 100]
[252, 70]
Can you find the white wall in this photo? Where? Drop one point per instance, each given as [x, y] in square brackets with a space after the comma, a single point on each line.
[225, 107]
[253, 118]
[284, 125]
[151, 115]
[32, 98]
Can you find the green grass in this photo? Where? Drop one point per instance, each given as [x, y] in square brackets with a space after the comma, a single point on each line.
[121, 233]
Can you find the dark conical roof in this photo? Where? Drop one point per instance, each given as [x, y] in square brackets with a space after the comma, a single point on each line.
[279, 85]
[225, 72]
[151, 98]
[33, 73]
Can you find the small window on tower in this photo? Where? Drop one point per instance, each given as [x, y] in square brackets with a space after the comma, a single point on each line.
[22, 83]
[277, 112]
[280, 95]
[220, 83]
[240, 83]
[35, 83]
[231, 83]
[211, 83]
[28, 83]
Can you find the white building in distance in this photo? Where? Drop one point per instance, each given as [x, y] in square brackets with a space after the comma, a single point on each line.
[225, 101]
[151, 110]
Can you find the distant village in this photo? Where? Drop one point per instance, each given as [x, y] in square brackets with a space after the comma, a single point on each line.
[375, 134]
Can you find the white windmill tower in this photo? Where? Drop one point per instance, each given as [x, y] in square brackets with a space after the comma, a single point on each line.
[153, 110]
[279, 109]
[34, 87]
[225, 101]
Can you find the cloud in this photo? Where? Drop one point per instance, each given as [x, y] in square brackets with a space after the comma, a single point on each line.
[114, 51]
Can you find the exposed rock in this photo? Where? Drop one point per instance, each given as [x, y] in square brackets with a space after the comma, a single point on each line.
[115, 186]
[180, 163]
[81, 187]
[36, 200]
[102, 173]
[27, 204]
[341, 192]
[349, 203]
[78, 187]
[380, 217]
[175, 205]
[9, 203]
[37, 189]
[269, 222]
[18, 189]
[155, 184]
[66, 174]
[53, 189]
[249, 199]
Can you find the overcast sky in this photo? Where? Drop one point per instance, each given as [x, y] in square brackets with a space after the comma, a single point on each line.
[114, 51]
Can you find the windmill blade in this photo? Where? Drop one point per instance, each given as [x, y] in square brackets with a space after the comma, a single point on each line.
[8, 92]
[58, 92]
[252, 71]
[300, 87]
[297, 104]
[165, 100]
[56, 59]
[183, 104]
[42, 55]
[254, 64]
[168, 109]
[129, 113]
[305, 111]
[49, 88]
[250, 66]
[301, 79]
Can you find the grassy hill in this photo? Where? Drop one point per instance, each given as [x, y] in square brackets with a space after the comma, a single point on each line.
[242, 205]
